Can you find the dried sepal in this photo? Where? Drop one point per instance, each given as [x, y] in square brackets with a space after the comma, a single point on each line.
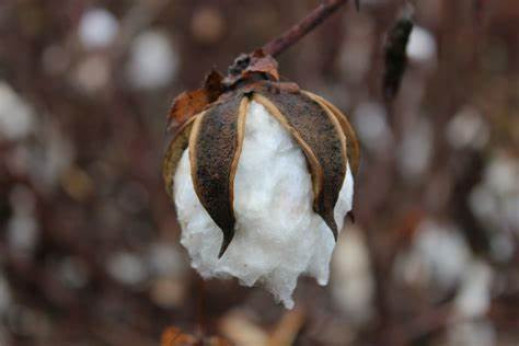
[318, 132]
[352, 143]
[214, 150]
[313, 162]
[248, 68]
[190, 103]
[213, 127]
[174, 152]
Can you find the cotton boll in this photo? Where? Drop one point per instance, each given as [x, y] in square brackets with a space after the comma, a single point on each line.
[472, 332]
[16, 116]
[127, 268]
[474, 297]
[494, 201]
[438, 257]
[416, 149]
[352, 283]
[467, 129]
[277, 234]
[22, 228]
[422, 46]
[501, 175]
[93, 74]
[372, 126]
[153, 61]
[97, 28]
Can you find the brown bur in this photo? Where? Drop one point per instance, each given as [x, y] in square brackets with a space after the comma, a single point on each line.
[212, 126]
[320, 136]
[214, 150]
[352, 143]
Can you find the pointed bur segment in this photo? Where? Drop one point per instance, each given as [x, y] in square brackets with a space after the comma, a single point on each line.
[352, 144]
[174, 153]
[214, 150]
[322, 140]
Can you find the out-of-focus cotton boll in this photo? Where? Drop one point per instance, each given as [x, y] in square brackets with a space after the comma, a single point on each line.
[495, 201]
[467, 129]
[372, 127]
[16, 116]
[93, 73]
[127, 268]
[502, 174]
[473, 300]
[98, 28]
[422, 46]
[415, 152]
[472, 333]
[439, 256]
[166, 260]
[278, 236]
[167, 267]
[352, 283]
[153, 61]
[483, 203]
[22, 229]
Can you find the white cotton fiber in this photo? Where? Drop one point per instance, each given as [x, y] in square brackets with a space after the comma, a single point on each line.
[277, 235]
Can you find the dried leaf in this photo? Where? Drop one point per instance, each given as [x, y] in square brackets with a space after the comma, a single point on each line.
[190, 103]
[173, 336]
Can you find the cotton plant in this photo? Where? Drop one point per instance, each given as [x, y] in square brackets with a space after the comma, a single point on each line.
[262, 177]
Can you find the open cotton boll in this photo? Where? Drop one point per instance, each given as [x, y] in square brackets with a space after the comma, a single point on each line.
[278, 236]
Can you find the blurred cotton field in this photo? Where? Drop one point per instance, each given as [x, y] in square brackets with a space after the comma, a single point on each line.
[90, 250]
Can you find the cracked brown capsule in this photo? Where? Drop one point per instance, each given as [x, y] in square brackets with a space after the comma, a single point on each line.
[214, 138]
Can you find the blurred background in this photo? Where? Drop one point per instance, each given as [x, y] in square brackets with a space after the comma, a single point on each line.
[89, 244]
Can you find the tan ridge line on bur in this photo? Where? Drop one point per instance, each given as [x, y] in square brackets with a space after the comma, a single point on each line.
[242, 117]
[353, 152]
[172, 157]
[317, 171]
[192, 150]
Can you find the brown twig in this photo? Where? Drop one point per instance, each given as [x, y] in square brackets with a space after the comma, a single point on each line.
[260, 60]
[307, 24]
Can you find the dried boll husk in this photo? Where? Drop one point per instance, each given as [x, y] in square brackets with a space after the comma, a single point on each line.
[215, 146]
[278, 236]
[215, 137]
[212, 129]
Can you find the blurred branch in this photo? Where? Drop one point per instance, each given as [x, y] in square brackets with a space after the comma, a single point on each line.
[262, 59]
[278, 45]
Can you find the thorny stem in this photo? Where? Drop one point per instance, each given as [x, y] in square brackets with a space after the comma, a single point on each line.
[307, 24]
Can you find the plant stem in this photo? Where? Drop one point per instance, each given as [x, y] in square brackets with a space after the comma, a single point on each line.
[307, 24]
